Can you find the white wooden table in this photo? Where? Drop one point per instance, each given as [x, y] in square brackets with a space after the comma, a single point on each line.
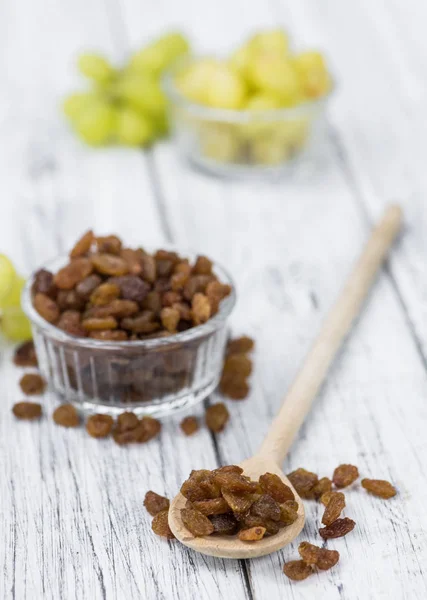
[72, 521]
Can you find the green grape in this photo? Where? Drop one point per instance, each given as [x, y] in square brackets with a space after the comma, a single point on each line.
[142, 92]
[160, 54]
[13, 297]
[220, 143]
[240, 60]
[7, 277]
[193, 81]
[226, 89]
[96, 124]
[133, 129]
[271, 41]
[14, 324]
[161, 125]
[76, 103]
[96, 67]
[263, 101]
[313, 74]
[294, 132]
[276, 74]
[269, 151]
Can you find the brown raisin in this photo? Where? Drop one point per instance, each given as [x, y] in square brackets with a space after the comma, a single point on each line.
[200, 309]
[274, 486]
[334, 508]
[148, 429]
[109, 244]
[131, 436]
[43, 283]
[170, 318]
[379, 487]
[228, 469]
[234, 387]
[303, 481]
[196, 523]
[83, 245]
[155, 503]
[322, 486]
[99, 426]
[289, 512]
[196, 283]
[70, 275]
[297, 570]
[233, 482]
[239, 503]
[160, 525]
[202, 266]
[169, 298]
[217, 417]
[184, 310]
[213, 506]
[266, 508]
[109, 264]
[238, 365]
[327, 559]
[338, 528]
[87, 285]
[271, 526]
[240, 345]
[25, 355]
[132, 287]
[133, 259]
[321, 557]
[104, 294]
[252, 535]
[46, 307]
[66, 415]
[225, 524]
[324, 498]
[141, 323]
[215, 292]
[69, 321]
[149, 268]
[27, 410]
[32, 384]
[109, 335]
[152, 302]
[69, 300]
[117, 308]
[345, 475]
[189, 425]
[178, 280]
[127, 421]
[97, 324]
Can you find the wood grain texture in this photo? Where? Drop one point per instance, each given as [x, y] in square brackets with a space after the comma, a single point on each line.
[70, 507]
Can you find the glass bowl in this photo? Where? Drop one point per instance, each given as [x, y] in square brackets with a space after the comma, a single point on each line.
[156, 376]
[229, 142]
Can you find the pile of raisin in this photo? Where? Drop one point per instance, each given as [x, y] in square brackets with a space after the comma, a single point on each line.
[226, 502]
[32, 384]
[111, 292]
[158, 507]
[237, 369]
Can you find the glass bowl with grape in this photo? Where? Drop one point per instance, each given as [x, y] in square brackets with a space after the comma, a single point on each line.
[260, 110]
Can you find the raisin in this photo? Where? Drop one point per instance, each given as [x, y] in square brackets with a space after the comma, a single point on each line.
[43, 283]
[149, 270]
[216, 291]
[200, 309]
[195, 284]
[183, 309]
[238, 365]
[104, 294]
[338, 528]
[288, 513]
[189, 425]
[170, 318]
[66, 415]
[327, 559]
[178, 280]
[334, 508]
[141, 323]
[266, 508]
[234, 482]
[229, 469]
[213, 506]
[160, 525]
[200, 486]
[162, 285]
[196, 523]
[132, 287]
[345, 475]
[127, 421]
[69, 300]
[225, 524]
[202, 266]
[27, 410]
[155, 503]
[252, 535]
[97, 324]
[153, 302]
[131, 436]
[99, 426]
[233, 387]
[191, 490]
[87, 285]
[32, 384]
[309, 553]
[321, 557]
[148, 429]
[109, 244]
[379, 487]
[239, 503]
[117, 308]
[217, 417]
[46, 307]
[164, 267]
[325, 498]
[274, 486]
[25, 355]
[109, 264]
[134, 260]
[169, 298]
[303, 481]
[69, 321]
[109, 335]
[70, 275]
[83, 245]
[322, 486]
[297, 570]
[240, 345]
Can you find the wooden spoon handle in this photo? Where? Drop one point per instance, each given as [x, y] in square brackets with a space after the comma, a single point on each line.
[336, 326]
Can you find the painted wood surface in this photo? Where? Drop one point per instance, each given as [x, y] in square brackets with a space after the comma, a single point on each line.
[71, 514]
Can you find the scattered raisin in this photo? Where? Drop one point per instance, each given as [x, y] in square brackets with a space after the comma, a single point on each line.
[274, 486]
[155, 503]
[46, 307]
[240, 345]
[66, 415]
[25, 355]
[32, 384]
[303, 481]
[297, 570]
[27, 410]
[333, 508]
[338, 528]
[234, 387]
[148, 429]
[225, 524]
[109, 264]
[252, 535]
[322, 486]
[321, 557]
[127, 421]
[70, 275]
[189, 425]
[196, 523]
[216, 417]
[345, 475]
[99, 426]
[379, 487]
[83, 245]
[160, 525]
[238, 364]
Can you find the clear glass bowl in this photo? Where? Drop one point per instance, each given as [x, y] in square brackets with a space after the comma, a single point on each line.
[155, 377]
[243, 142]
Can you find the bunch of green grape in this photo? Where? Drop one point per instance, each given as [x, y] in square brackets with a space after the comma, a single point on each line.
[125, 106]
[13, 323]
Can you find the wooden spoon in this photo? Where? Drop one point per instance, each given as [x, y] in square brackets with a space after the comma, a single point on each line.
[298, 401]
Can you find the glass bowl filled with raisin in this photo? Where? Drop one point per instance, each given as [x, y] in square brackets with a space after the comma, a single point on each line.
[260, 110]
[118, 328]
